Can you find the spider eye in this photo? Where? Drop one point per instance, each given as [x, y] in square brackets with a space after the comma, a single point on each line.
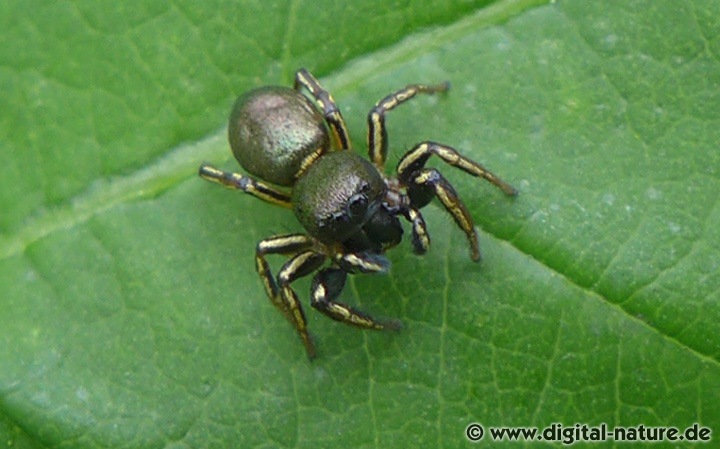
[357, 205]
[340, 217]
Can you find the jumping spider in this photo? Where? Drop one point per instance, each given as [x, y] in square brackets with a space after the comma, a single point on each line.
[347, 205]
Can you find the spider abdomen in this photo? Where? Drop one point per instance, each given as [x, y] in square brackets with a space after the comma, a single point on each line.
[275, 132]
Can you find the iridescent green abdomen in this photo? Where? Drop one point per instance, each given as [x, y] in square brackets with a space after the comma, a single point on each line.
[273, 131]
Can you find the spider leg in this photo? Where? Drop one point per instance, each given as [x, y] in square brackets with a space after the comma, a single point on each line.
[322, 97]
[362, 262]
[326, 287]
[377, 132]
[415, 159]
[246, 184]
[283, 297]
[428, 183]
[420, 237]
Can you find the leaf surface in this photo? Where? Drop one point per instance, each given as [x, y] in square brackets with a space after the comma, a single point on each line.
[132, 314]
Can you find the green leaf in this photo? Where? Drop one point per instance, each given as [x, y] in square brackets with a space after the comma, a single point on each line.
[131, 312]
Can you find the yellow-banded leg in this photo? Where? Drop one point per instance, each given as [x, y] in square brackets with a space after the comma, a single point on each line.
[278, 290]
[420, 237]
[415, 159]
[362, 262]
[428, 183]
[246, 184]
[332, 114]
[301, 265]
[326, 287]
[285, 245]
[377, 133]
[424, 184]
